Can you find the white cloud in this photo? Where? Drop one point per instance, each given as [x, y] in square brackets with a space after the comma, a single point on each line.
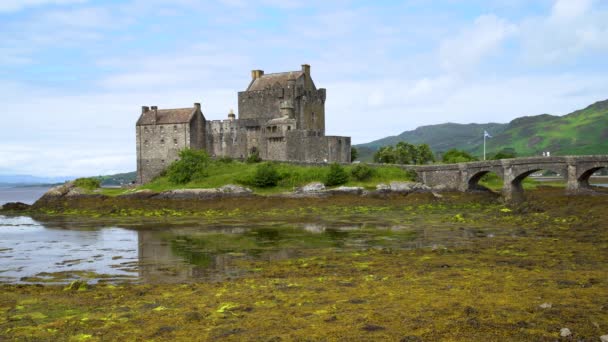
[573, 29]
[17, 5]
[471, 45]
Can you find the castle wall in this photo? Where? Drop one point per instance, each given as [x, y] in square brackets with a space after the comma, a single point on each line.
[262, 104]
[158, 146]
[309, 146]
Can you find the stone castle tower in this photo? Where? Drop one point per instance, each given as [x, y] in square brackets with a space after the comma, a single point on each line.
[281, 117]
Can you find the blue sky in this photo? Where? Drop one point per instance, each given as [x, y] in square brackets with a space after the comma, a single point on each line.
[74, 73]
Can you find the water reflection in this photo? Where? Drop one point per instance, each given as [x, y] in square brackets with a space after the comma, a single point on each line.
[63, 250]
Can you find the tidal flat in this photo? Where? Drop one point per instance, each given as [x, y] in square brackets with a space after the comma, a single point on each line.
[411, 268]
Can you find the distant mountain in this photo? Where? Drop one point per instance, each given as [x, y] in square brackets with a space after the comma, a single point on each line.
[581, 132]
[118, 179]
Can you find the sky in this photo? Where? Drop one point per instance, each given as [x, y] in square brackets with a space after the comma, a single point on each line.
[75, 73]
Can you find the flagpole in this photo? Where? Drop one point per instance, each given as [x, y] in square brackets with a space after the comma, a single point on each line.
[484, 145]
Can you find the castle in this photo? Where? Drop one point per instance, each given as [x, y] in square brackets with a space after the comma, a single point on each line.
[281, 117]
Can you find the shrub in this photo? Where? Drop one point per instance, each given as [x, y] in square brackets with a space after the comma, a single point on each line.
[87, 183]
[191, 165]
[254, 157]
[361, 172]
[336, 175]
[266, 176]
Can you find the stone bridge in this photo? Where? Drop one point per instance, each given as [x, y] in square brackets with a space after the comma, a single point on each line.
[576, 170]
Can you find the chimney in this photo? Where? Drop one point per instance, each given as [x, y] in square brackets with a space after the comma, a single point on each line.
[255, 74]
[231, 115]
[144, 109]
[155, 111]
[197, 105]
[306, 69]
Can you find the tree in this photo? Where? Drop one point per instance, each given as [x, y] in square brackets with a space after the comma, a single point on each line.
[425, 154]
[505, 153]
[354, 154]
[385, 155]
[361, 172]
[191, 165]
[457, 156]
[404, 153]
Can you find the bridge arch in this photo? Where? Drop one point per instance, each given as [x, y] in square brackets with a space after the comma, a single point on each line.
[523, 172]
[585, 175]
[473, 183]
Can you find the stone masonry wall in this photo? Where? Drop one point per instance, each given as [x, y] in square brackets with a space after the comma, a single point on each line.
[158, 146]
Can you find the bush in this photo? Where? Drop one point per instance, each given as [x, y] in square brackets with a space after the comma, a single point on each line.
[336, 176]
[361, 172]
[411, 175]
[192, 165]
[266, 176]
[87, 183]
[254, 157]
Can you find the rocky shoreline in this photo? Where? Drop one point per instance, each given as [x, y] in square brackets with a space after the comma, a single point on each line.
[68, 195]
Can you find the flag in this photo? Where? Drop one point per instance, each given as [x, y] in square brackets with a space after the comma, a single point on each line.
[486, 134]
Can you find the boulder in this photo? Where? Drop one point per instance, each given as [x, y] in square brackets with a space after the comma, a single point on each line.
[353, 190]
[312, 187]
[15, 206]
[189, 194]
[59, 191]
[234, 189]
[383, 187]
[401, 186]
[440, 187]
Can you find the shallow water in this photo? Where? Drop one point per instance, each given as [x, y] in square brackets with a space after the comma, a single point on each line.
[59, 250]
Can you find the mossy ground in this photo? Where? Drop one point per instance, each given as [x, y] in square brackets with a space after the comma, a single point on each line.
[489, 289]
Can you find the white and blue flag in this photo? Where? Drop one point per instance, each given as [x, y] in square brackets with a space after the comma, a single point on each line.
[486, 134]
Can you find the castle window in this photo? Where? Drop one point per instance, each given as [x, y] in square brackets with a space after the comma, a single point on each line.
[162, 161]
[314, 117]
[174, 128]
[162, 129]
[289, 128]
[146, 129]
[145, 142]
[175, 142]
[162, 141]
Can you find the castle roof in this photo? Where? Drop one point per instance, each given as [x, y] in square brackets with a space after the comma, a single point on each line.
[269, 80]
[167, 116]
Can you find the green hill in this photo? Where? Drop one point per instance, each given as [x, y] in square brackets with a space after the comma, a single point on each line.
[581, 132]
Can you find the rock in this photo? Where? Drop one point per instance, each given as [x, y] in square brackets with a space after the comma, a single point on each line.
[354, 190]
[15, 206]
[545, 306]
[604, 338]
[58, 191]
[383, 187]
[420, 187]
[565, 332]
[440, 187]
[74, 192]
[312, 187]
[401, 186]
[234, 189]
[436, 195]
[189, 194]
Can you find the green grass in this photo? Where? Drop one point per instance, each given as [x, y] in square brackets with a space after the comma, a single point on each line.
[292, 176]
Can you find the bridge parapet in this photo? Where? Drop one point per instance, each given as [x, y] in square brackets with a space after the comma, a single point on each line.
[465, 176]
